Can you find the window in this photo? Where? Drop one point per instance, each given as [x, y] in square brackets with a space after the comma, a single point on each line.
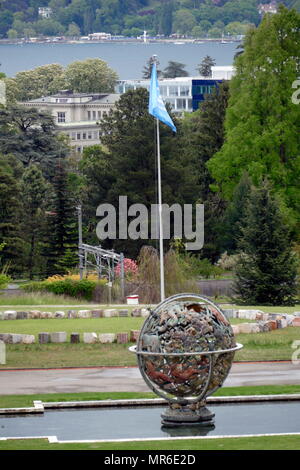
[89, 115]
[79, 149]
[94, 116]
[83, 135]
[184, 90]
[61, 117]
[89, 134]
[99, 114]
[163, 90]
[173, 90]
[95, 135]
[181, 103]
[78, 136]
[73, 135]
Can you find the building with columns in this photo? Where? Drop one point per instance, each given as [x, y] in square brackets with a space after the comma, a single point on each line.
[77, 114]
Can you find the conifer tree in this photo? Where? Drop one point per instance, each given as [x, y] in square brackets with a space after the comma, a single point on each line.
[34, 191]
[267, 269]
[61, 237]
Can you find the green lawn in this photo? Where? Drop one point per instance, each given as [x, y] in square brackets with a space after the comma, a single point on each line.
[274, 345]
[237, 443]
[19, 401]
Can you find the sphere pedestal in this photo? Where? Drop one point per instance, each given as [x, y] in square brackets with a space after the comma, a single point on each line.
[185, 351]
[187, 415]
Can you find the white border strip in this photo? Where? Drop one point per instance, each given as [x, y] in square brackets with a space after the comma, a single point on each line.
[54, 440]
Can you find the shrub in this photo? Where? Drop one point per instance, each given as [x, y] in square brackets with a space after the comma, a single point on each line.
[130, 268]
[83, 289]
[227, 262]
[4, 280]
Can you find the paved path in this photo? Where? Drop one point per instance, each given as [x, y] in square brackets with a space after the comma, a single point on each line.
[129, 379]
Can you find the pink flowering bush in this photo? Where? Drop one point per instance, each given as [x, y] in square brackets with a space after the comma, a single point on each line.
[130, 268]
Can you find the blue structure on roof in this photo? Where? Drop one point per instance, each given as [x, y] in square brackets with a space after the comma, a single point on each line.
[202, 87]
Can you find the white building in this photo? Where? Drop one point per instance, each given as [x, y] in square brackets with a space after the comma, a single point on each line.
[179, 92]
[264, 8]
[45, 12]
[77, 114]
[99, 36]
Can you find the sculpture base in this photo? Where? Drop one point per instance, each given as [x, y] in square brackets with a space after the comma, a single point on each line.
[185, 416]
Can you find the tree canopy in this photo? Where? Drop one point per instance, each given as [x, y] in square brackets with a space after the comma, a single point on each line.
[262, 122]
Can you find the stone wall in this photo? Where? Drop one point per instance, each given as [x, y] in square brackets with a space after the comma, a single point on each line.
[260, 322]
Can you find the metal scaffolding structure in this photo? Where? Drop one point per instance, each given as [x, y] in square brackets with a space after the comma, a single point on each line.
[104, 261]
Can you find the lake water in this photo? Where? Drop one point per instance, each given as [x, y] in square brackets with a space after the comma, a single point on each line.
[127, 59]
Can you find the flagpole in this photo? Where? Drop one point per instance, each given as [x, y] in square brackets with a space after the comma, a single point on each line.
[161, 244]
[158, 110]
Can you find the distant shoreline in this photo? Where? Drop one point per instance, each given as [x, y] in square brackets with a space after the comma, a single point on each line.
[47, 41]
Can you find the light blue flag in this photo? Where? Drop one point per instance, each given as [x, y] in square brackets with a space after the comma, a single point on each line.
[156, 105]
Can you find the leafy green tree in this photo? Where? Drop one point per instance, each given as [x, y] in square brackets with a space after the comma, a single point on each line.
[175, 69]
[12, 34]
[90, 75]
[204, 68]
[262, 122]
[267, 269]
[41, 81]
[73, 30]
[6, 20]
[203, 136]
[34, 189]
[166, 18]
[29, 134]
[184, 21]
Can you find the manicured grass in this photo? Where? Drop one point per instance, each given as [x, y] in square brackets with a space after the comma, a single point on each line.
[17, 401]
[36, 298]
[274, 345]
[68, 355]
[237, 443]
[71, 325]
[264, 308]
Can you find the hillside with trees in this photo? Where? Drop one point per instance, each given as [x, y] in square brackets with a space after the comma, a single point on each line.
[197, 18]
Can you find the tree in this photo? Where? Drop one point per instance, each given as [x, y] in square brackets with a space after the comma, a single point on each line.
[203, 136]
[29, 134]
[184, 21]
[166, 18]
[34, 189]
[204, 68]
[90, 75]
[175, 69]
[235, 214]
[73, 30]
[11, 238]
[61, 234]
[267, 269]
[41, 81]
[262, 133]
[128, 137]
[96, 168]
[148, 68]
